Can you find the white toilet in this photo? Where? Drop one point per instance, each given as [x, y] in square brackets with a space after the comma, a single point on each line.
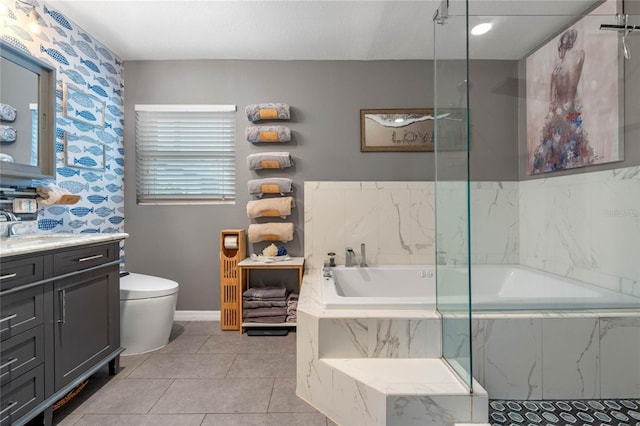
[147, 306]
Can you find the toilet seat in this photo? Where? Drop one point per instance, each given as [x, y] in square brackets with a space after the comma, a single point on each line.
[139, 286]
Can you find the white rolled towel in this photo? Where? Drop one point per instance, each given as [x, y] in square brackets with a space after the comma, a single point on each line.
[53, 194]
[270, 207]
[270, 232]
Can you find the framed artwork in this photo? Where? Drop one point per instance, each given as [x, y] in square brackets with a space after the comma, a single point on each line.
[396, 130]
[574, 102]
[80, 106]
[84, 152]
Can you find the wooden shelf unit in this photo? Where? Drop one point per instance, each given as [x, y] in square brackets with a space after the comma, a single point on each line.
[230, 304]
[248, 264]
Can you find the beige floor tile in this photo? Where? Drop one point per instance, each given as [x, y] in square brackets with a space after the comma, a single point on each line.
[184, 344]
[184, 366]
[125, 396]
[128, 363]
[284, 399]
[202, 327]
[236, 343]
[270, 419]
[141, 420]
[216, 396]
[263, 365]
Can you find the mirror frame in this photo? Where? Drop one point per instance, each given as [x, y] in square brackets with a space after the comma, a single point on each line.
[46, 118]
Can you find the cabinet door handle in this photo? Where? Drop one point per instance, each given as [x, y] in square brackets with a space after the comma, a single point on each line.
[8, 363]
[97, 256]
[62, 304]
[5, 277]
[8, 407]
[10, 317]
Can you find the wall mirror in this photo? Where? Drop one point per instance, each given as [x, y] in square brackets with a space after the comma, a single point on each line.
[27, 117]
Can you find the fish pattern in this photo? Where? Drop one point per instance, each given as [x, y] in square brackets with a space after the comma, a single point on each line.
[97, 199]
[91, 131]
[92, 177]
[74, 76]
[97, 89]
[55, 54]
[49, 224]
[65, 46]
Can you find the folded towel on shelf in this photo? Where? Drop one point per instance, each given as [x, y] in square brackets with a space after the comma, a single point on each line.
[292, 296]
[293, 308]
[270, 186]
[256, 134]
[263, 312]
[291, 318]
[269, 160]
[271, 319]
[265, 293]
[270, 232]
[270, 207]
[268, 111]
[251, 304]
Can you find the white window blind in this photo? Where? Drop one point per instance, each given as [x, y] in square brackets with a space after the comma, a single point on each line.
[185, 154]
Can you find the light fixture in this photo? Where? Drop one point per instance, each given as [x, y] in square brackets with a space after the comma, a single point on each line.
[399, 120]
[33, 25]
[481, 28]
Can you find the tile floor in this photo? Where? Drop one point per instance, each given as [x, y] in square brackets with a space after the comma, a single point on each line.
[621, 412]
[204, 376]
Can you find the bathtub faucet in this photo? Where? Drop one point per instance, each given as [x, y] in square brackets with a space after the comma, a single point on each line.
[350, 257]
[363, 255]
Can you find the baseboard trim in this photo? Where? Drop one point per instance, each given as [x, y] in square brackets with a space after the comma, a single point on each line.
[196, 316]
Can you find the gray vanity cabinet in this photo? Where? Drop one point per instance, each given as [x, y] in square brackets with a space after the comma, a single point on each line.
[59, 323]
[86, 330]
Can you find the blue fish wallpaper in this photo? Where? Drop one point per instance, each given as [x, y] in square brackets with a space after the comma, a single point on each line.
[84, 63]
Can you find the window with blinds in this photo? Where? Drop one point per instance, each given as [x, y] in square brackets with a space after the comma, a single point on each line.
[185, 154]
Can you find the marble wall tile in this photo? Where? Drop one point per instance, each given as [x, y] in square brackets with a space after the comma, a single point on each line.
[423, 410]
[477, 348]
[513, 358]
[379, 338]
[344, 338]
[495, 222]
[584, 227]
[313, 378]
[619, 357]
[396, 338]
[355, 403]
[570, 352]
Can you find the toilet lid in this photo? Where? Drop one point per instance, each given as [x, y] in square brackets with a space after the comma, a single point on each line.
[140, 286]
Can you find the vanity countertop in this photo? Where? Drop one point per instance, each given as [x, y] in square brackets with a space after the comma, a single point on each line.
[42, 242]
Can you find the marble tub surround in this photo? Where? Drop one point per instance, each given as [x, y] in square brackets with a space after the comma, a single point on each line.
[378, 367]
[394, 219]
[584, 226]
[557, 355]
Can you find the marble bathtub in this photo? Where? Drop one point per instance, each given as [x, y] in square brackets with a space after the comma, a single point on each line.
[378, 366]
[557, 355]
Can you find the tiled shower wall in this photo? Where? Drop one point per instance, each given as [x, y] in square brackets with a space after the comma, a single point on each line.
[583, 226]
[82, 61]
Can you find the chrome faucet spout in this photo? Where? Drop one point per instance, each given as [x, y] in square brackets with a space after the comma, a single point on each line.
[350, 257]
[363, 256]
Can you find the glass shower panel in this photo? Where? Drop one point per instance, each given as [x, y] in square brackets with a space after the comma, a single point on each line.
[452, 188]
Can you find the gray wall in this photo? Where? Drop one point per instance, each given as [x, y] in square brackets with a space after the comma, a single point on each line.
[181, 242]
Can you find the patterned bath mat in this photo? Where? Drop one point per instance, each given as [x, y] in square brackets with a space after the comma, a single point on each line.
[618, 412]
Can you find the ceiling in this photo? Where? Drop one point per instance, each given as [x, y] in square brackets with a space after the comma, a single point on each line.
[312, 29]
